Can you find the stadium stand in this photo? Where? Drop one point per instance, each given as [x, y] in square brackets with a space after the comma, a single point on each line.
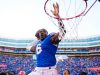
[79, 55]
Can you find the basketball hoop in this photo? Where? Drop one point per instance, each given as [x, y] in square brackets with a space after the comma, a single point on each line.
[84, 2]
[71, 13]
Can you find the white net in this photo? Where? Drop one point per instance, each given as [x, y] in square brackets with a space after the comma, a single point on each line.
[71, 12]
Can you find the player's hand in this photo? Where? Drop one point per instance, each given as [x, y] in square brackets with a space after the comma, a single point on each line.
[56, 10]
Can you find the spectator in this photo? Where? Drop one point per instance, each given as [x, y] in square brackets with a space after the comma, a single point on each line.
[10, 73]
[2, 73]
[66, 72]
[82, 73]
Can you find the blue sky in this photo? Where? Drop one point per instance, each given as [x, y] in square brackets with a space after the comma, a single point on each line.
[22, 18]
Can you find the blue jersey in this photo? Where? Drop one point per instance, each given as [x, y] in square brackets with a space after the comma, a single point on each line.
[45, 52]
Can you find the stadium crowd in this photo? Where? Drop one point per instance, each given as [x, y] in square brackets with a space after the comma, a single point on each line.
[78, 64]
[23, 65]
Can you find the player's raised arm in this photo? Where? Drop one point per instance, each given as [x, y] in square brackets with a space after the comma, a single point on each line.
[32, 46]
[62, 31]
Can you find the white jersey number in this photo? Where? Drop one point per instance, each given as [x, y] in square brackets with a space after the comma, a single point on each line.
[38, 49]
